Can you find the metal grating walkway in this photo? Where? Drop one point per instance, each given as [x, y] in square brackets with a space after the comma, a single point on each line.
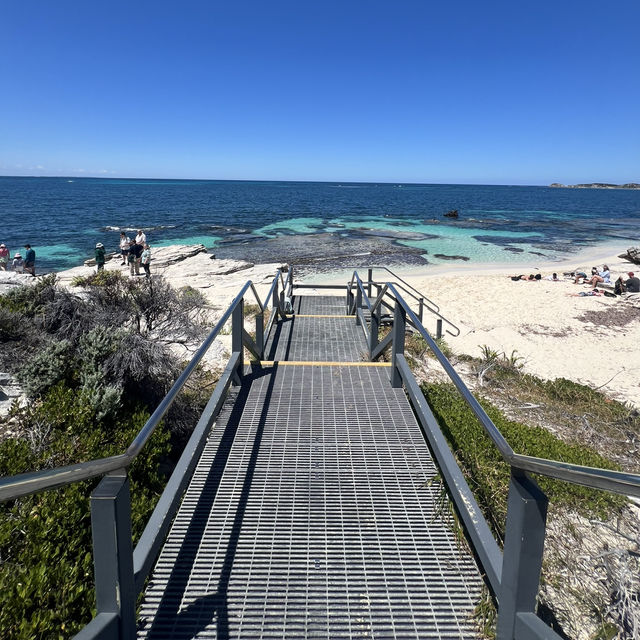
[311, 515]
[320, 305]
[317, 339]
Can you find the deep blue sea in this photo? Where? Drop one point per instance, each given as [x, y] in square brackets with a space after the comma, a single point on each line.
[63, 218]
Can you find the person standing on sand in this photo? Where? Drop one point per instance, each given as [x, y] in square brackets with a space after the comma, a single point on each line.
[4, 257]
[30, 260]
[100, 256]
[145, 260]
[125, 241]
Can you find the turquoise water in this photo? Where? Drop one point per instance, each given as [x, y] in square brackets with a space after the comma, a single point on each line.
[63, 218]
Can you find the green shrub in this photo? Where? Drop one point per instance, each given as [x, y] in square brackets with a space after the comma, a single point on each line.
[46, 368]
[488, 475]
[31, 299]
[46, 563]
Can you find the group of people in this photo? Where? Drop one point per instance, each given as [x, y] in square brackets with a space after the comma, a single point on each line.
[135, 253]
[18, 264]
[598, 276]
[603, 276]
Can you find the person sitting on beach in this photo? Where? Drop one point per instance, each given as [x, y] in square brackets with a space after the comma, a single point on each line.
[30, 260]
[632, 284]
[18, 263]
[141, 238]
[125, 241]
[603, 276]
[581, 276]
[553, 278]
[4, 257]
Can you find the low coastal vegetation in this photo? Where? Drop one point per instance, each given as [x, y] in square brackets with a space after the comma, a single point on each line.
[94, 362]
[589, 585]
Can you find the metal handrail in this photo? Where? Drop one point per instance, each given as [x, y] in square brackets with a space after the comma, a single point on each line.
[417, 294]
[614, 481]
[26, 483]
[355, 278]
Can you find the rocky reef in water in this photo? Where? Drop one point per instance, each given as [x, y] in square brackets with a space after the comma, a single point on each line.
[319, 252]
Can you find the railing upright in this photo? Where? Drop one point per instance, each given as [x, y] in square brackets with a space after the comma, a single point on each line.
[522, 555]
[397, 346]
[237, 327]
[374, 329]
[260, 333]
[113, 552]
[358, 305]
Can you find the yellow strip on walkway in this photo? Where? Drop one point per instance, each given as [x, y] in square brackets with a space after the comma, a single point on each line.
[302, 363]
[300, 315]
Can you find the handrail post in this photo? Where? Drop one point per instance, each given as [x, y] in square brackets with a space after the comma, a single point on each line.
[237, 325]
[421, 310]
[260, 333]
[275, 302]
[438, 328]
[113, 552]
[369, 279]
[349, 299]
[397, 347]
[358, 304]
[374, 329]
[523, 549]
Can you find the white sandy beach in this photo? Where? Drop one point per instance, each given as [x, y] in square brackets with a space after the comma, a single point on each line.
[544, 322]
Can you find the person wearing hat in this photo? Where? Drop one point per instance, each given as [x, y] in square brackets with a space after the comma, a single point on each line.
[18, 264]
[100, 256]
[632, 285]
[4, 257]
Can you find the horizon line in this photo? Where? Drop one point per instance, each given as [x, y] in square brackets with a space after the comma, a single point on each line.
[385, 182]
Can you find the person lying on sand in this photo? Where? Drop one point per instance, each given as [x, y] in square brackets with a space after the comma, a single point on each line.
[537, 276]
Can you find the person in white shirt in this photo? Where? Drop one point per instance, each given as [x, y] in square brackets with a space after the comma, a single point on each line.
[18, 263]
[141, 239]
[125, 241]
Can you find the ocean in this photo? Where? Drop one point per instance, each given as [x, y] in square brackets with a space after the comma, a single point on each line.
[321, 223]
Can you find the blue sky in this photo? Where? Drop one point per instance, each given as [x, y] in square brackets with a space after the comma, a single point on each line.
[467, 92]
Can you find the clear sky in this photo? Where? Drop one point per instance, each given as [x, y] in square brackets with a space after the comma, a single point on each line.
[516, 92]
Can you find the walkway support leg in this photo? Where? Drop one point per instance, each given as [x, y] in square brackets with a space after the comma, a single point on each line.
[399, 324]
[523, 549]
[438, 329]
[113, 551]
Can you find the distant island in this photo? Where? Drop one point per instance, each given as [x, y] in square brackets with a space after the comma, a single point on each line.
[597, 185]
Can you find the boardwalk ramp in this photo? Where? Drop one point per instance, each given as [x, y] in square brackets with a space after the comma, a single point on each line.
[313, 511]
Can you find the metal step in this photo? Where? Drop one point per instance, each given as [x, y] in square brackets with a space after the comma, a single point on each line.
[311, 515]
